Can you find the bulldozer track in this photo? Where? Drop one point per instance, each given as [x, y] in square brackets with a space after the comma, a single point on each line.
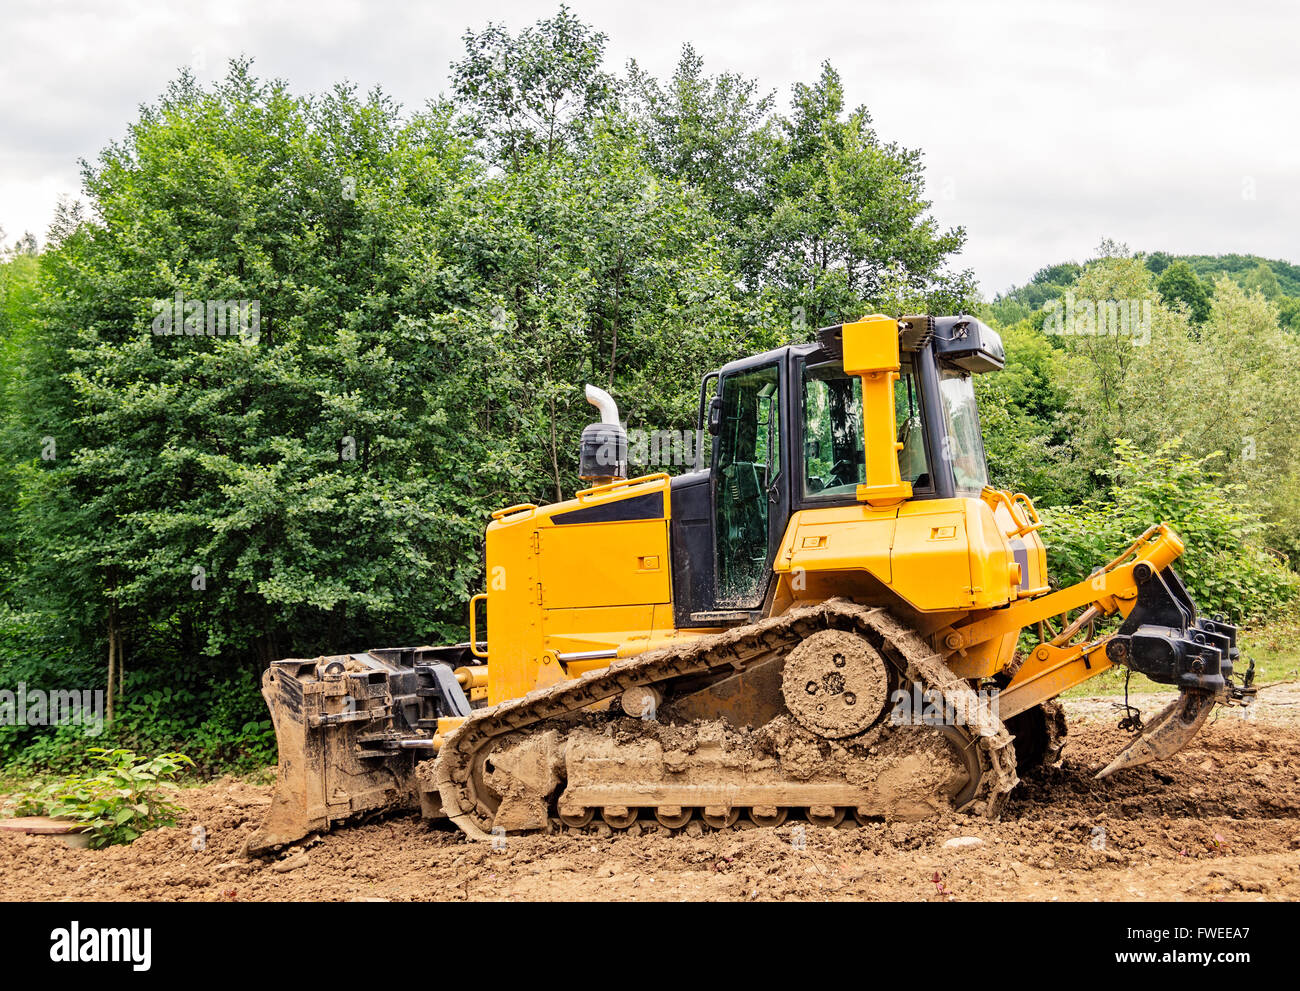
[732, 650]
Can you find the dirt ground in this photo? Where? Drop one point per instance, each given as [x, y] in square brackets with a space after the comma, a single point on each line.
[1220, 821]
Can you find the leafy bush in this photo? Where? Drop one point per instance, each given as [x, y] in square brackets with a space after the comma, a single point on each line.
[216, 717]
[35, 651]
[222, 723]
[1226, 566]
[125, 797]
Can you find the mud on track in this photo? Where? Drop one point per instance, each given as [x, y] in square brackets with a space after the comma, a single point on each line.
[1219, 821]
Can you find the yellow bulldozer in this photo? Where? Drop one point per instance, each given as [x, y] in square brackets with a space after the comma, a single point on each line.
[835, 616]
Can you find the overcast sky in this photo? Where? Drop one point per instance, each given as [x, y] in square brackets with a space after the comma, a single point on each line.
[1046, 126]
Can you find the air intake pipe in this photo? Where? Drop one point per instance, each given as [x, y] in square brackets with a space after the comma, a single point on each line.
[602, 455]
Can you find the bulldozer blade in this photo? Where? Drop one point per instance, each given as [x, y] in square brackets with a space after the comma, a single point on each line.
[350, 730]
[1165, 735]
[288, 819]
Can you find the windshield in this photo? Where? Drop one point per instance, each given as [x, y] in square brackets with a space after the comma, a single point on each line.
[833, 449]
[964, 445]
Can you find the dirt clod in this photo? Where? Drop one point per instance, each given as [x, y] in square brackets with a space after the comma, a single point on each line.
[292, 864]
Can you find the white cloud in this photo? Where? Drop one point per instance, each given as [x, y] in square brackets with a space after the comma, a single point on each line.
[1050, 126]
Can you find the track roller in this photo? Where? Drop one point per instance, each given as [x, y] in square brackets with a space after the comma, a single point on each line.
[825, 815]
[576, 820]
[618, 816]
[672, 816]
[768, 815]
[720, 818]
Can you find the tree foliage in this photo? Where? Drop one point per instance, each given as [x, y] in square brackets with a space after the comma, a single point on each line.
[432, 289]
[1178, 284]
[1227, 564]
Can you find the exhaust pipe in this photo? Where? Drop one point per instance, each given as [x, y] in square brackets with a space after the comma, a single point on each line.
[602, 454]
[604, 402]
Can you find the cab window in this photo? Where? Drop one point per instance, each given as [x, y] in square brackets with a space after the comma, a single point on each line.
[913, 461]
[833, 452]
[834, 461]
[965, 446]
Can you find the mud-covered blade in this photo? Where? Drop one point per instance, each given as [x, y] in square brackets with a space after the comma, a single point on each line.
[350, 729]
[1165, 735]
[288, 818]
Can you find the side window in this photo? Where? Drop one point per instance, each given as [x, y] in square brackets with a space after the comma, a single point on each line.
[833, 455]
[913, 464]
[749, 460]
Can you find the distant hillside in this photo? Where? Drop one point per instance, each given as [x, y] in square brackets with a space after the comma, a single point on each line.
[1189, 278]
[1238, 267]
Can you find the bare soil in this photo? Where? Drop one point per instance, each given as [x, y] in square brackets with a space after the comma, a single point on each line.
[1220, 821]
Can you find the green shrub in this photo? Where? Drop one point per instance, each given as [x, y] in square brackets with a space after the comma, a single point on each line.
[216, 717]
[36, 651]
[126, 796]
[222, 723]
[1227, 566]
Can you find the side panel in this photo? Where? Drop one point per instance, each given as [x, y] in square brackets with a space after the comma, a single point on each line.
[839, 538]
[605, 564]
[935, 559]
[931, 555]
[514, 612]
[952, 554]
[585, 574]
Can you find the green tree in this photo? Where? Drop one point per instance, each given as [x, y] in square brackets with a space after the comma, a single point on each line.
[535, 91]
[1227, 566]
[1263, 280]
[1288, 312]
[425, 328]
[1179, 284]
[1158, 261]
[714, 134]
[848, 227]
[1022, 413]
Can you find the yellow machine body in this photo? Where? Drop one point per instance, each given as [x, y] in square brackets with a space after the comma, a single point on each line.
[561, 589]
[868, 491]
[565, 597]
